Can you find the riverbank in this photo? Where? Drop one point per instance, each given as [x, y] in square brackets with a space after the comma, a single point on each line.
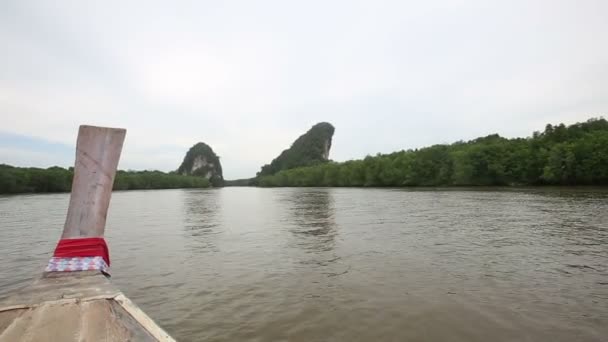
[560, 155]
[14, 180]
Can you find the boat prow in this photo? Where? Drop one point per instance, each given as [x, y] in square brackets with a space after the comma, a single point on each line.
[74, 300]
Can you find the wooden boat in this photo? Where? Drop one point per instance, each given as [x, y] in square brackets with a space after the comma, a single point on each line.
[74, 300]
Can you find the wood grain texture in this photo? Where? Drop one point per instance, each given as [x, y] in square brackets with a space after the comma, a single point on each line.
[97, 155]
[7, 318]
[97, 320]
[75, 306]
[61, 287]
[144, 320]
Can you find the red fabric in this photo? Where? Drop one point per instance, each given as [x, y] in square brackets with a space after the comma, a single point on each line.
[83, 247]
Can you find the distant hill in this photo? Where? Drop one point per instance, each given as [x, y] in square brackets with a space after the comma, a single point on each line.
[559, 155]
[309, 149]
[203, 162]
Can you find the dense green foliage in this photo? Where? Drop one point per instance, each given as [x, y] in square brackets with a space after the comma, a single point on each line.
[17, 179]
[132, 180]
[201, 161]
[573, 155]
[311, 148]
[57, 179]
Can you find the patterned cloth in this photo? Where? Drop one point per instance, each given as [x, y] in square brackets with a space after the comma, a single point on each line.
[77, 264]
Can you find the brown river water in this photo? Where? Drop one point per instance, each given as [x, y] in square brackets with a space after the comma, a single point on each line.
[315, 264]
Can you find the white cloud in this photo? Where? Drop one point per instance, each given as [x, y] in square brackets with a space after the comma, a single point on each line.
[28, 158]
[249, 77]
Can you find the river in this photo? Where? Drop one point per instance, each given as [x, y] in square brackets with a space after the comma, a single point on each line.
[315, 264]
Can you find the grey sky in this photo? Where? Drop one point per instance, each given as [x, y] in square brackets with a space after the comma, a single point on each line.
[248, 77]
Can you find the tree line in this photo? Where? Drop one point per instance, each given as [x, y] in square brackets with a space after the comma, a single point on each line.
[57, 179]
[559, 155]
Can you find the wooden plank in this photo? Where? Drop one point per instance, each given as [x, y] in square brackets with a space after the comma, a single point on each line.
[136, 331]
[144, 320]
[98, 323]
[7, 319]
[98, 320]
[53, 323]
[16, 328]
[62, 287]
[97, 154]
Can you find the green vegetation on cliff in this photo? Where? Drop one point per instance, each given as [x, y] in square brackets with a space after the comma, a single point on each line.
[311, 148]
[201, 161]
[57, 179]
[560, 155]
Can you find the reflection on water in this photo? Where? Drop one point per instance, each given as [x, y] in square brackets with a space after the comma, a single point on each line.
[310, 219]
[312, 215]
[248, 264]
[201, 219]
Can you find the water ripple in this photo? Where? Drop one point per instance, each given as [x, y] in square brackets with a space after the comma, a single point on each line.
[344, 264]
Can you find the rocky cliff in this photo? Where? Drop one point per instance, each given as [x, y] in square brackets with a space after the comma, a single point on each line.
[309, 149]
[202, 161]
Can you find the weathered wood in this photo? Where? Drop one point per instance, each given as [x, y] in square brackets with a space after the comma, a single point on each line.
[96, 320]
[62, 288]
[7, 318]
[97, 154]
[102, 322]
[75, 306]
[143, 319]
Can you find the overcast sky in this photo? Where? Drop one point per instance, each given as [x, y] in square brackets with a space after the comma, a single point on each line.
[248, 77]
